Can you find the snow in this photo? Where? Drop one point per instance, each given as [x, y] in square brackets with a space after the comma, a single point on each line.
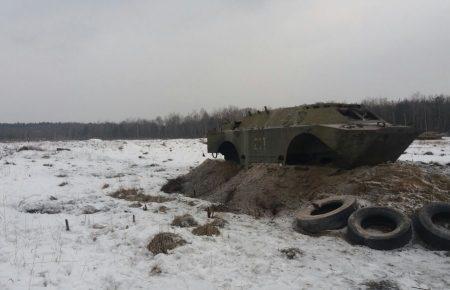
[106, 250]
[427, 151]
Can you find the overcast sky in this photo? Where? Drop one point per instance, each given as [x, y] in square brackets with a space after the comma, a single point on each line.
[85, 60]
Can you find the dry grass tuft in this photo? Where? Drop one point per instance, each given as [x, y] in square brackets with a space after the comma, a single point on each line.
[184, 221]
[29, 148]
[381, 285]
[206, 230]
[135, 204]
[62, 149]
[219, 222]
[135, 194]
[163, 209]
[164, 242]
[156, 270]
[291, 253]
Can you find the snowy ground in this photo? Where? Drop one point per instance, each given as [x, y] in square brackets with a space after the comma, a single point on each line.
[428, 151]
[106, 250]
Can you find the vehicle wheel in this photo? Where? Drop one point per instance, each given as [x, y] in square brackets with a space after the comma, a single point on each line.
[380, 228]
[432, 224]
[325, 214]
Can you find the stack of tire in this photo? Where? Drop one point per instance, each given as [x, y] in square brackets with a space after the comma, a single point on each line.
[380, 228]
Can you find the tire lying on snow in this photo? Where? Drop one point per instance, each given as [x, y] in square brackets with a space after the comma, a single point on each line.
[432, 224]
[325, 214]
[380, 228]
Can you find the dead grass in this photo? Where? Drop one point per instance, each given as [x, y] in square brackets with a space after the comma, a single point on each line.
[62, 149]
[206, 230]
[291, 253]
[135, 194]
[163, 209]
[219, 222]
[117, 175]
[164, 242]
[380, 285]
[156, 270]
[184, 221]
[29, 148]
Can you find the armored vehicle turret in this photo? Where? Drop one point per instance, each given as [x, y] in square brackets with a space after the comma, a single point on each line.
[343, 135]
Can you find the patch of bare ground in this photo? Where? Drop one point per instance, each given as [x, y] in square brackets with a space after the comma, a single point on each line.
[164, 242]
[267, 189]
[135, 194]
[206, 230]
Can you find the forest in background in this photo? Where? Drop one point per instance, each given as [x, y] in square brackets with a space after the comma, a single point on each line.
[426, 113]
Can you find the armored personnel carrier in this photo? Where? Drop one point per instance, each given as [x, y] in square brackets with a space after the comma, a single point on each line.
[344, 135]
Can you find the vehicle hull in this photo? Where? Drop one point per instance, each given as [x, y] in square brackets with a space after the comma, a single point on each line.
[343, 145]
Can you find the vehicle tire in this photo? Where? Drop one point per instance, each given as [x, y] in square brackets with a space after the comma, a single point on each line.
[426, 224]
[380, 228]
[325, 214]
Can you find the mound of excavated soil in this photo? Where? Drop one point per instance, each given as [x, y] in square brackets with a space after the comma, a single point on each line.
[269, 188]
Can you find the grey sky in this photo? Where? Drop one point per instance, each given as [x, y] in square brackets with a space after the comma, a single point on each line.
[103, 60]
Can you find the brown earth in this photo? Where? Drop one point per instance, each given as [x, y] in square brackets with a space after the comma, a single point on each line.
[266, 189]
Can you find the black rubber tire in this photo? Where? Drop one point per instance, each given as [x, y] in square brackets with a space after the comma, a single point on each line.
[432, 234]
[309, 222]
[359, 234]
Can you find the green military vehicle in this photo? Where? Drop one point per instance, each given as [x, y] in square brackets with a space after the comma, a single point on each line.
[344, 135]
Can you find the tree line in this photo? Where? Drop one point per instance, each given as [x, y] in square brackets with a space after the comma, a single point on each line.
[193, 125]
[426, 113]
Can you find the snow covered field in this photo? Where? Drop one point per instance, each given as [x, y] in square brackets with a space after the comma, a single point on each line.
[428, 151]
[106, 250]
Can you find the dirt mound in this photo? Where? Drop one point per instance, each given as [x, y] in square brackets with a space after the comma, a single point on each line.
[203, 179]
[269, 188]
